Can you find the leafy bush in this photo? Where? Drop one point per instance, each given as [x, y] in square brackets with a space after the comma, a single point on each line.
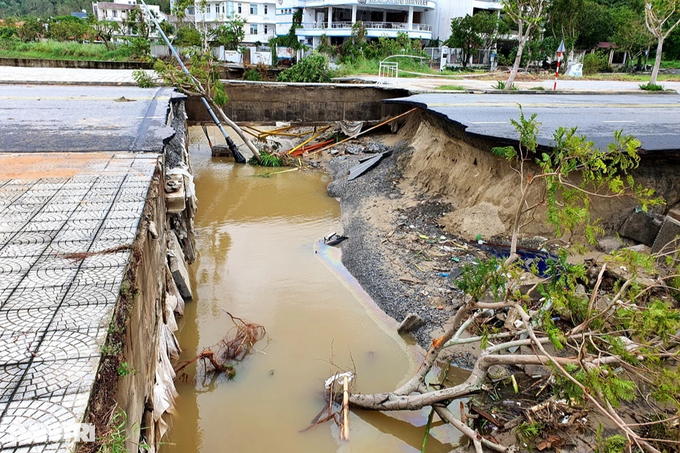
[67, 28]
[594, 63]
[143, 79]
[138, 48]
[252, 75]
[311, 69]
[7, 32]
[651, 87]
[187, 36]
[267, 160]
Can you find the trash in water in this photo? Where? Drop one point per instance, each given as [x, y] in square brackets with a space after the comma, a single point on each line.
[333, 239]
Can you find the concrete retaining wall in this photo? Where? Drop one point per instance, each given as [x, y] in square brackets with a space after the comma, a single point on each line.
[150, 297]
[302, 103]
[39, 63]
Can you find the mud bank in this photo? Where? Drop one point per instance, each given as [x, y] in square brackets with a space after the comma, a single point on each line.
[412, 220]
[135, 377]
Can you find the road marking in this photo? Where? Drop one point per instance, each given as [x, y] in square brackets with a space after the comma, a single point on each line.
[619, 121]
[488, 122]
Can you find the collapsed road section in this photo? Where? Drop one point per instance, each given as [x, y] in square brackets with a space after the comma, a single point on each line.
[96, 209]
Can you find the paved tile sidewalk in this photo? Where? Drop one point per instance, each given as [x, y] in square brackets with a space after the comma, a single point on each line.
[54, 311]
[12, 74]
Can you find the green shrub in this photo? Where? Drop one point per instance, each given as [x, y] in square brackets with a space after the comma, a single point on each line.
[143, 79]
[651, 87]
[252, 75]
[670, 64]
[7, 32]
[594, 63]
[267, 160]
[311, 69]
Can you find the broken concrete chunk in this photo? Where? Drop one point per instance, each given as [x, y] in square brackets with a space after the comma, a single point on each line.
[174, 193]
[610, 244]
[178, 267]
[411, 322]
[222, 151]
[668, 233]
[354, 149]
[674, 213]
[173, 183]
[641, 227]
[152, 230]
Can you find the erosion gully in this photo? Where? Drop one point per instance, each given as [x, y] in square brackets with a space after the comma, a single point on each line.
[259, 258]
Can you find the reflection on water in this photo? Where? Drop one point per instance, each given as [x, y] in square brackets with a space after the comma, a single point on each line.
[256, 244]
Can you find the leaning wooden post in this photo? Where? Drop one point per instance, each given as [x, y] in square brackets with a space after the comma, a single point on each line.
[345, 409]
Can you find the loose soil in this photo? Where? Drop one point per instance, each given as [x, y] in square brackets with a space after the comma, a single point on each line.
[413, 220]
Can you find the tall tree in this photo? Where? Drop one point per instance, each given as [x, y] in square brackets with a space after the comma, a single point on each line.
[464, 36]
[631, 34]
[527, 15]
[563, 21]
[658, 14]
[480, 31]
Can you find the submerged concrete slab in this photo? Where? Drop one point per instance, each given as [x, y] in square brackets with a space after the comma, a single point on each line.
[55, 308]
[83, 118]
[652, 119]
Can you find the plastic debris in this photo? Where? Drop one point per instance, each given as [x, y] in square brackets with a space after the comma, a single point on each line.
[337, 379]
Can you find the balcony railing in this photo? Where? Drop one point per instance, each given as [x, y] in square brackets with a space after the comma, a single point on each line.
[368, 25]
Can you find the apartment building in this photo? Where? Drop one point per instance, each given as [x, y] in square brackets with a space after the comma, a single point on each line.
[119, 10]
[260, 17]
[335, 18]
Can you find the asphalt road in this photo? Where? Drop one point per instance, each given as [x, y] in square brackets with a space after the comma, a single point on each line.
[83, 118]
[652, 119]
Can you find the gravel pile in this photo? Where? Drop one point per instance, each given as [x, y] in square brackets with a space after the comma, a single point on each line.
[371, 258]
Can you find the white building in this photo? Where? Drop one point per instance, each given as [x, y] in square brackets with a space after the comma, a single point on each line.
[260, 17]
[440, 18]
[335, 18]
[119, 10]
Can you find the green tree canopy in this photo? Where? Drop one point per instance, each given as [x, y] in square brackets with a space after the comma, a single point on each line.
[230, 34]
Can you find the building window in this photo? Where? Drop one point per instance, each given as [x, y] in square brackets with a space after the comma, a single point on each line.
[115, 13]
[222, 8]
[265, 10]
[266, 29]
[207, 9]
[238, 8]
[253, 29]
[253, 9]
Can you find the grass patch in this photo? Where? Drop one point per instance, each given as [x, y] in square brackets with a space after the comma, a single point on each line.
[537, 89]
[651, 87]
[54, 50]
[451, 87]
[371, 67]
[670, 64]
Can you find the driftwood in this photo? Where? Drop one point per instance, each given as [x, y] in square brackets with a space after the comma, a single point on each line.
[235, 347]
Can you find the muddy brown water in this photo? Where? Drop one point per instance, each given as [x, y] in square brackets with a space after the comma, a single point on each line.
[256, 240]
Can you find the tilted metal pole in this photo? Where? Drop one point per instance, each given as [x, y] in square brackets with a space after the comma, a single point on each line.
[238, 157]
